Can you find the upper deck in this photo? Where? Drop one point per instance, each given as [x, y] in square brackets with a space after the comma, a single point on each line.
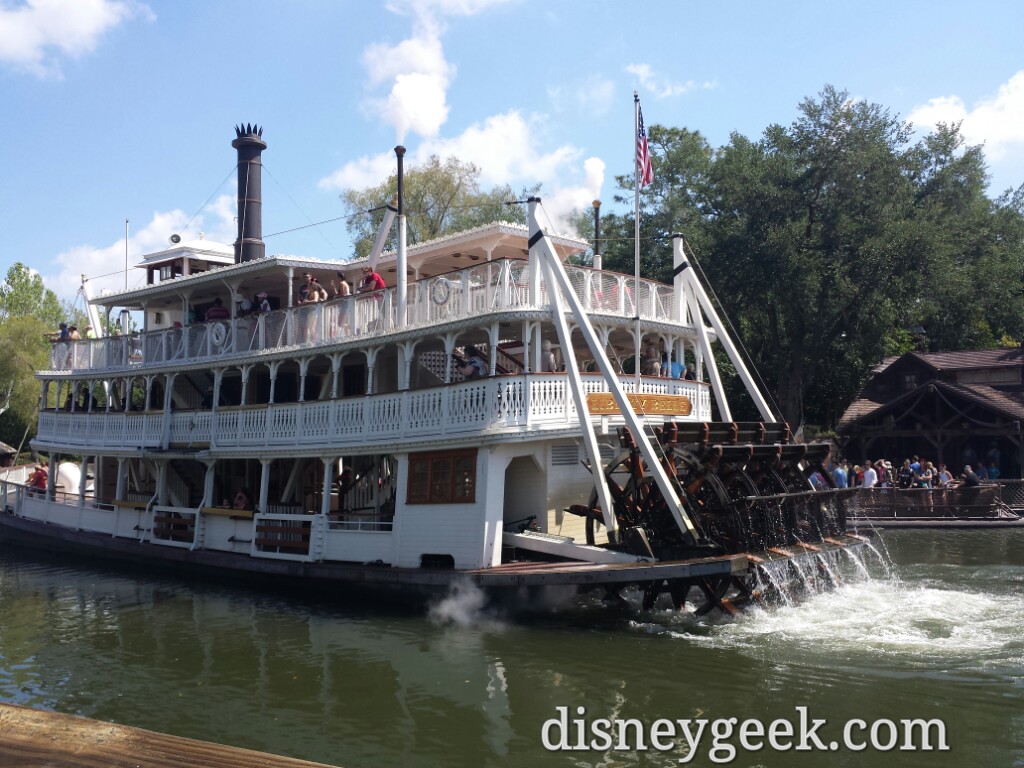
[504, 287]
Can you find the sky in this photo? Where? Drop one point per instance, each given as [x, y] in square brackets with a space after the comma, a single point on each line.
[115, 110]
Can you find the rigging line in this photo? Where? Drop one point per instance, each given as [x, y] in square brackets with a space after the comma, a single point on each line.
[765, 390]
[203, 206]
[316, 223]
[551, 226]
[292, 199]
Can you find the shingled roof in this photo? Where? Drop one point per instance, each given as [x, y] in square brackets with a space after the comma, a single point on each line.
[1008, 401]
[972, 358]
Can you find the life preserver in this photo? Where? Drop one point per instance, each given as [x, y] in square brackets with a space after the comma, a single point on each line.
[218, 334]
[440, 290]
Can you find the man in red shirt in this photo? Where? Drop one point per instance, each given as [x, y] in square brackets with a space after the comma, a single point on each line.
[39, 479]
[218, 311]
[371, 281]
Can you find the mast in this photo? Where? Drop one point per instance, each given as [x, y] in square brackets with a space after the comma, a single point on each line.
[636, 244]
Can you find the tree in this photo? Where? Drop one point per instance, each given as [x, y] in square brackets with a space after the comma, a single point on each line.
[819, 244]
[26, 350]
[23, 294]
[827, 240]
[440, 197]
[671, 203]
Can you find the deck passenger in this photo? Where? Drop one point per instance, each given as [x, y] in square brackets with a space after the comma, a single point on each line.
[340, 288]
[39, 479]
[317, 292]
[374, 285]
[547, 357]
[371, 281]
[307, 282]
[243, 501]
[473, 365]
[651, 363]
[218, 311]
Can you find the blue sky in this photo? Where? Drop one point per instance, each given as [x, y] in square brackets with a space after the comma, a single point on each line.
[123, 109]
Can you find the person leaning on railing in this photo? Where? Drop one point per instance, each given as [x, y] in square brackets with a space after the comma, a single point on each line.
[473, 365]
[39, 479]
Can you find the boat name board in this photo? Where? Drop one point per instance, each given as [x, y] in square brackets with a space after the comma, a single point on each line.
[603, 403]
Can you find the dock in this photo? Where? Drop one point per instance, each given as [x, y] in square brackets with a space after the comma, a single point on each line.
[37, 739]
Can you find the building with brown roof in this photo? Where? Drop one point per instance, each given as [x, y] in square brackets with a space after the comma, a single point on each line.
[955, 408]
[6, 455]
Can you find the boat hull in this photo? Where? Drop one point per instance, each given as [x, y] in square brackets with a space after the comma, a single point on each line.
[392, 584]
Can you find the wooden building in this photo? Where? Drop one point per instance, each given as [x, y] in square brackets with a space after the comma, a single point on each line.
[6, 455]
[955, 408]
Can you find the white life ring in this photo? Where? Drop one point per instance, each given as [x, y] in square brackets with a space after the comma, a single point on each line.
[440, 290]
[218, 334]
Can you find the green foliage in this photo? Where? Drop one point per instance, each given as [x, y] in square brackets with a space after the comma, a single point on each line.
[26, 350]
[827, 240]
[23, 294]
[440, 197]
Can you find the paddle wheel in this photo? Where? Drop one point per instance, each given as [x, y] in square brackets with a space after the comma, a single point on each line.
[747, 488]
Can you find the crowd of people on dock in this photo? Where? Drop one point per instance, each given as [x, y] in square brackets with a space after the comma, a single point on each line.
[914, 472]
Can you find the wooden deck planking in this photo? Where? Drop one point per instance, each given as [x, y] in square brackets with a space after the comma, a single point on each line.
[37, 739]
[577, 573]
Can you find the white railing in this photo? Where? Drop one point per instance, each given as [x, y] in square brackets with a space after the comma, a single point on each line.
[493, 286]
[502, 404]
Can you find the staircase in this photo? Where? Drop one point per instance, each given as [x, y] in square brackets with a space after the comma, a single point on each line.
[185, 482]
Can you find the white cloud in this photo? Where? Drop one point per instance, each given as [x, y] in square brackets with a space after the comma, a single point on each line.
[507, 149]
[431, 11]
[104, 265]
[416, 68]
[660, 86]
[997, 122]
[361, 173]
[36, 34]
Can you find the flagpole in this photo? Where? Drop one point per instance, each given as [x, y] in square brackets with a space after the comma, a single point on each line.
[636, 241]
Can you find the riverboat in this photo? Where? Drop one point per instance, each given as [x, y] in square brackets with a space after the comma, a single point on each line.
[347, 443]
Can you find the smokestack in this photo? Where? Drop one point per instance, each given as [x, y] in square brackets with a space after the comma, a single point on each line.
[250, 145]
[400, 151]
[401, 261]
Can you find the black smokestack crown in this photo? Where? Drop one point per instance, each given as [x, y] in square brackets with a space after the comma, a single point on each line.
[250, 145]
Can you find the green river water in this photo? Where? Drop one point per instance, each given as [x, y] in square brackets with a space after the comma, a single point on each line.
[932, 627]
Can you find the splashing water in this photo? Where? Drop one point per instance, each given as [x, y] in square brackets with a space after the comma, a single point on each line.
[464, 605]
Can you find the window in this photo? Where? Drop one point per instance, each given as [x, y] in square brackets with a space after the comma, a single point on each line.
[909, 381]
[447, 477]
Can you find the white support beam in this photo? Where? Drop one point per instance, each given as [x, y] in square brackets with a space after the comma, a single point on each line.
[723, 337]
[560, 285]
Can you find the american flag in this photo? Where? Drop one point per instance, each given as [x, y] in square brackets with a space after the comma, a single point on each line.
[643, 156]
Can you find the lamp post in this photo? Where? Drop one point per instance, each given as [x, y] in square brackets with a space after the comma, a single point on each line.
[597, 234]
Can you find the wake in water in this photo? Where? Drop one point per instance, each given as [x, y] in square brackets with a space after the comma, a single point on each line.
[960, 621]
